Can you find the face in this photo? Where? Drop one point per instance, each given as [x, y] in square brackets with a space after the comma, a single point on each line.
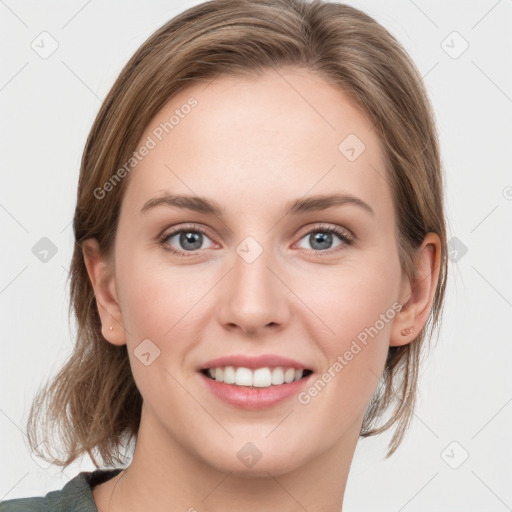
[255, 281]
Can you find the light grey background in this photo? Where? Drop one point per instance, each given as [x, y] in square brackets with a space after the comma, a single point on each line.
[47, 108]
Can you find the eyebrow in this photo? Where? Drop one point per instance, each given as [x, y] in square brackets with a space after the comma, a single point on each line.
[296, 207]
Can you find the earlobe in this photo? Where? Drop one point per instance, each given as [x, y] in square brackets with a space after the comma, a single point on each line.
[418, 297]
[102, 277]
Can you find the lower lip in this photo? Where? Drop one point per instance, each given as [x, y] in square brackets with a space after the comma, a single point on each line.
[254, 398]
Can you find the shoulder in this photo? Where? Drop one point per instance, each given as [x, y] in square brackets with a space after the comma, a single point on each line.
[24, 505]
[75, 496]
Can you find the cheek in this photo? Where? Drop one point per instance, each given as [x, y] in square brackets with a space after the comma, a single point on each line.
[351, 298]
[160, 303]
[160, 318]
[356, 309]
[362, 306]
[149, 292]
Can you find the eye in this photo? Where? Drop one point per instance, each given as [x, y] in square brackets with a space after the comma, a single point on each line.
[322, 237]
[191, 238]
[188, 239]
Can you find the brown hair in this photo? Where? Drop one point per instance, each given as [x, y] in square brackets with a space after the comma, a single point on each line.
[93, 401]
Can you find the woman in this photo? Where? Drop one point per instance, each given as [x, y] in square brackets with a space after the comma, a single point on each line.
[293, 146]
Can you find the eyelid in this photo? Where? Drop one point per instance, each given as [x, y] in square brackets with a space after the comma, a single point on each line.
[186, 227]
[318, 226]
[190, 226]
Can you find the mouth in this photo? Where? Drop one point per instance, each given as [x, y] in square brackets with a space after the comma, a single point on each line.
[264, 377]
[254, 382]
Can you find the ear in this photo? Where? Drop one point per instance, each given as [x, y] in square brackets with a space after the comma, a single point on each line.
[102, 276]
[416, 298]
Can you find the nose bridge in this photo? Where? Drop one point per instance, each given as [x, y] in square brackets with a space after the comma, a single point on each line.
[253, 296]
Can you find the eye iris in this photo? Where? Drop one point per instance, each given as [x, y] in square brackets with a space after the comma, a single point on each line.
[322, 238]
[191, 237]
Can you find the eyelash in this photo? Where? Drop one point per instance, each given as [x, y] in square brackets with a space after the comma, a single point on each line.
[345, 237]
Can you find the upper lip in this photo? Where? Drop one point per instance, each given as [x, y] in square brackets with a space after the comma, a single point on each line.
[245, 361]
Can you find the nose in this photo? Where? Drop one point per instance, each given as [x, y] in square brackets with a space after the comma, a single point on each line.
[254, 296]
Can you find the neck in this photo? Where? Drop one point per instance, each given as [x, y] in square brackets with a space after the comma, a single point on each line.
[166, 476]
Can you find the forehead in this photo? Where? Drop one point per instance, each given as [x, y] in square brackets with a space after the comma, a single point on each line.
[260, 141]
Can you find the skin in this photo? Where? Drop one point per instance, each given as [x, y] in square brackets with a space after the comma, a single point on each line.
[253, 145]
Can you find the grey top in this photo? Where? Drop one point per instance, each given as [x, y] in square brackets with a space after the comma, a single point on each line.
[75, 496]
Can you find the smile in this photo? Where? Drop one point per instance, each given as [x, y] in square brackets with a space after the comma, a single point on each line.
[259, 378]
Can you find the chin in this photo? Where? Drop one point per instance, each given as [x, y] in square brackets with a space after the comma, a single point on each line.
[246, 459]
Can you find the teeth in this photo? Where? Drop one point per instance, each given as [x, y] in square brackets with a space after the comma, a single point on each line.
[229, 375]
[259, 378]
[243, 377]
[289, 375]
[262, 378]
[277, 376]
